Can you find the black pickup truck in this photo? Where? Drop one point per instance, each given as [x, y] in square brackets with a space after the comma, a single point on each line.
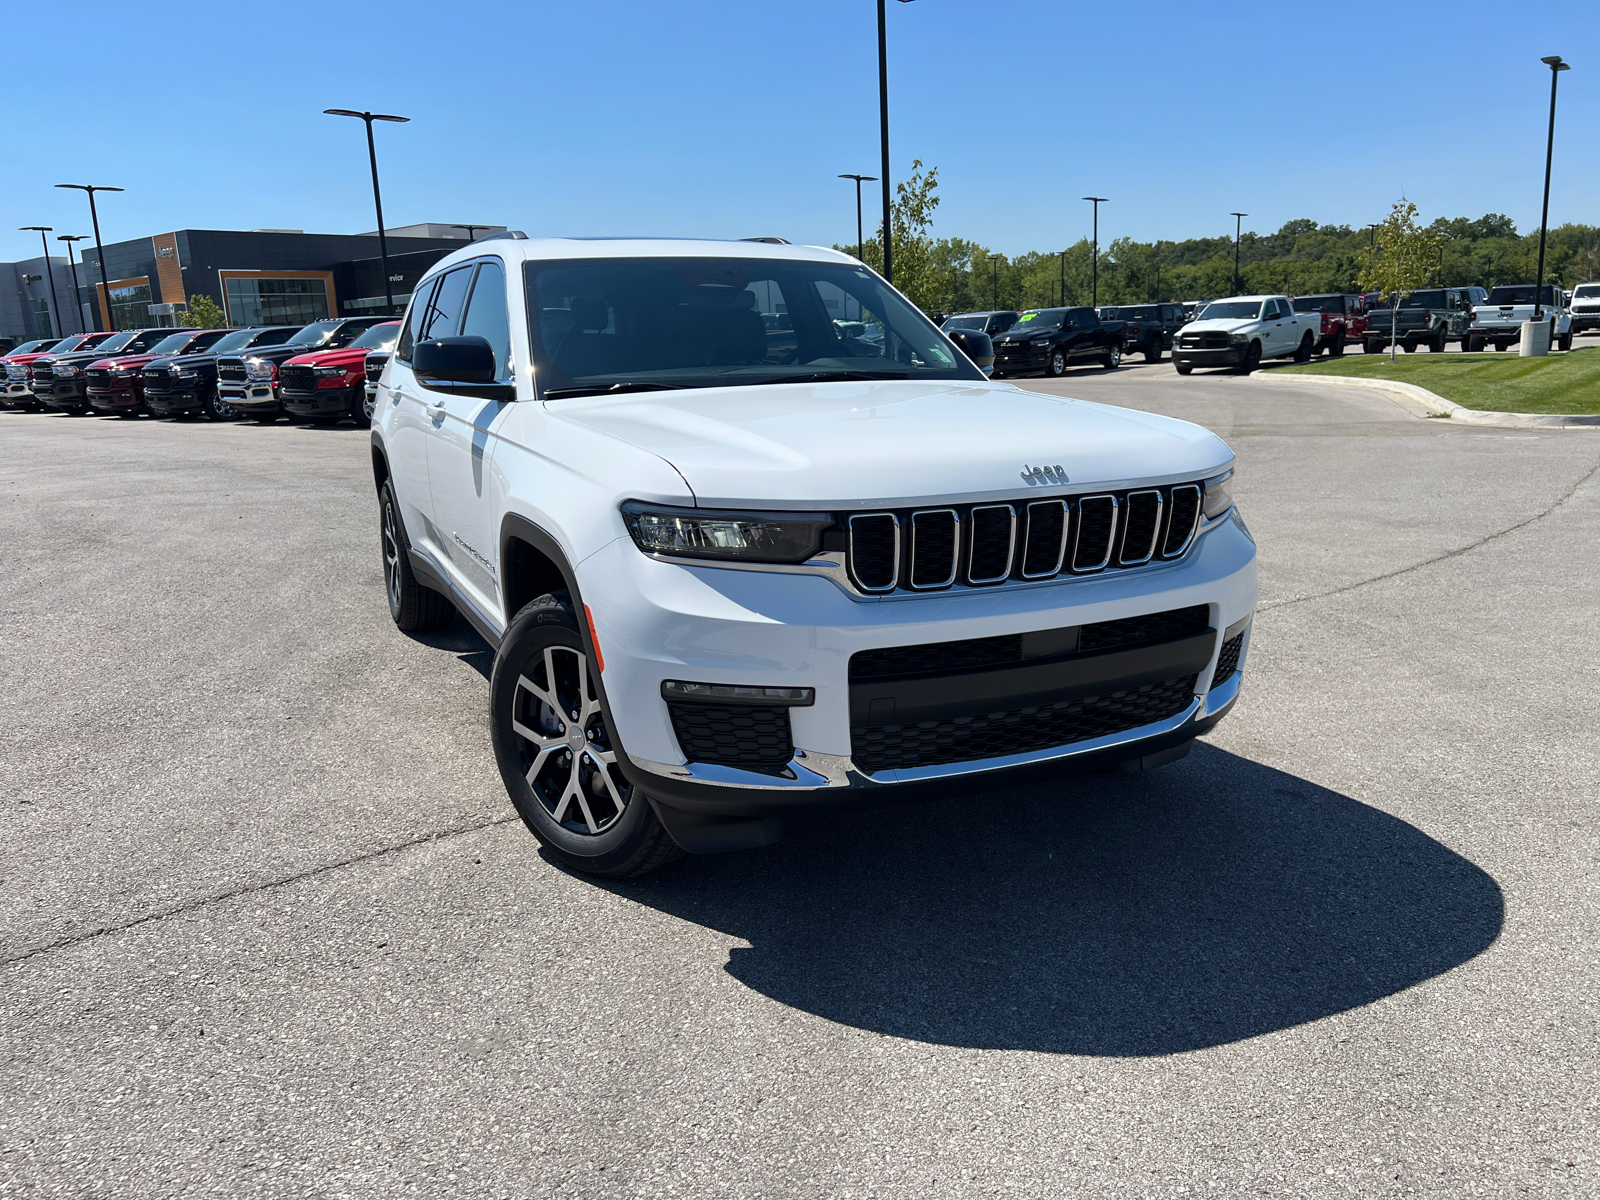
[1148, 329]
[1053, 339]
[1431, 317]
[184, 385]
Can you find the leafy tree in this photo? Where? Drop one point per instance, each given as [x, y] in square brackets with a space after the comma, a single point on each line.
[1404, 258]
[915, 265]
[204, 313]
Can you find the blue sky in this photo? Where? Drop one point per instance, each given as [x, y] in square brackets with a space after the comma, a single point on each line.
[731, 118]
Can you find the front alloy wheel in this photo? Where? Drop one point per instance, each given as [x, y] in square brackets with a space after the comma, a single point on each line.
[565, 751]
[1057, 366]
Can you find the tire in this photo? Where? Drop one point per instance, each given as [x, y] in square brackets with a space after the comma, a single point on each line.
[1409, 347]
[1056, 367]
[1372, 346]
[1469, 344]
[1565, 341]
[1500, 346]
[1152, 351]
[415, 608]
[1336, 347]
[1307, 344]
[556, 754]
[1182, 368]
[1112, 358]
[1252, 360]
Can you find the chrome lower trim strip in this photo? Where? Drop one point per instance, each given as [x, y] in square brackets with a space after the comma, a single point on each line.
[1224, 694]
[812, 771]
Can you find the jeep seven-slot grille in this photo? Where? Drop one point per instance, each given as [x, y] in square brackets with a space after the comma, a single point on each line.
[1019, 730]
[230, 370]
[755, 738]
[976, 545]
[297, 378]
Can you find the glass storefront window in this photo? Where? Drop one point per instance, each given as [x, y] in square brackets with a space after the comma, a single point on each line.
[276, 301]
[130, 306]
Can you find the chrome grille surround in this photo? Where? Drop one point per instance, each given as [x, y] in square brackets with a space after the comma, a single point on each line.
[858, 525]
[974, 547]
[921, 570]
[1133, 556]
[1060, 539]
[1079, 565]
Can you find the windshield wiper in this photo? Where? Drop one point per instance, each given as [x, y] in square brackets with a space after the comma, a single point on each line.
[610, 389]
[829, 377]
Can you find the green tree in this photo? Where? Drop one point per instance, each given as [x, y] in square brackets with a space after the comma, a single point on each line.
[1404, 258]
[204, 313]
[917, 270]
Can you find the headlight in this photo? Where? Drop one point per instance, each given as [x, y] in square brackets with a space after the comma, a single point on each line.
[1043, 341]
[1217, 499]
[184, 373]
[708, 533]
[63, 370]
[329, 372]
[121, 373]
[257, 368]
[1239, 337]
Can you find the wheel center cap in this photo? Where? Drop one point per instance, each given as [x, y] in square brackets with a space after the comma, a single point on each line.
[575, 737]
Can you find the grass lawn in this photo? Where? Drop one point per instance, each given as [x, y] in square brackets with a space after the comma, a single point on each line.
[1493, 382]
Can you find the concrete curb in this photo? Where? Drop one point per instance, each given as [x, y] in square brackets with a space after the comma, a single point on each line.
[1413, 398]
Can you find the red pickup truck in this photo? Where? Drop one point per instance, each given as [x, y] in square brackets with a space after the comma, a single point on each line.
[1344, 319]
[18, 381]
[117, 384]
[326, 386]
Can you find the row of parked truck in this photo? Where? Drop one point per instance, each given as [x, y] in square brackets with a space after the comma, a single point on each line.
[1049, 340]
[324, 372]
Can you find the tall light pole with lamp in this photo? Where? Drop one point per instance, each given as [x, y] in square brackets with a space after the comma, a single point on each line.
[883, 129]
[1094, 267]
[1556, 67]
[94, 217]
[1238, 227]
[377, 196]
[72, 265]
[860, 179]
[55, 305]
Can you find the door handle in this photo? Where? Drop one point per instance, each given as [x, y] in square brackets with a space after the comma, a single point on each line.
[436, 409]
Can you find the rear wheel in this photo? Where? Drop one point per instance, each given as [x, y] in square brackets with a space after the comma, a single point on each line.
[1436, 343]
[1372, 346]
[1565, 341]
[1336, 347]
[1303, 354]
[1409, 347]
[1152, 350]
[415, 608]
[556, 753]
[1501, 345]
[1468, 343]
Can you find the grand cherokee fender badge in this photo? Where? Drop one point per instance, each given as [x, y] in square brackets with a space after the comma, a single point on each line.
[482, 561]
[1041, 475]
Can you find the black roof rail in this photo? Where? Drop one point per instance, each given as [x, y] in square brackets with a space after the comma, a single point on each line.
[771, 241]
[513, 235]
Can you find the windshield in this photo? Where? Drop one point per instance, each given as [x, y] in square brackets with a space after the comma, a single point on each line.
[1231, 310]
[1039, 318]
[620, 324]
[1521, 293]
[1319, 304]
[313, 335]
[237, 340]
[117, 341]
[965, 322]
[44, 345]
[1587, 289]
[379, 337]
[173, 344]
[1423, 300]
[1139, 312]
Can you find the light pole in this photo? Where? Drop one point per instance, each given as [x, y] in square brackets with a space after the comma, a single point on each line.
[377, 196]
[472, 231]
[1061, 285]
[1556, 67]
[94, 217]
[860, 179]
[883, 129]
[77, 305]
[1094, 268]
[1238, 226]
[1374, 227]
[55, 305]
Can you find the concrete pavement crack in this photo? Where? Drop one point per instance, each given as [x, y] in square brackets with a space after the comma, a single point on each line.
[219, 897]
[1449, 554]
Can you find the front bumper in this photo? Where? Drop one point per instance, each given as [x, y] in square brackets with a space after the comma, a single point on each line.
[753, 628]
[169, 402]
[1586, 322]
[322, 402]
[1022, 360]
[114, 399]
[250, 397]
[1223, 356]
[63, 394]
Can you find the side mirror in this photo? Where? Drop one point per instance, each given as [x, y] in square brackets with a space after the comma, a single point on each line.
[463, 365]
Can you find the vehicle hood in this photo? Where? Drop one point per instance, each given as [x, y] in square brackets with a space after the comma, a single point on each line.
[80, 358]
[279, 353]
[24, 359]
[345, 357]
[855, 445]
[1022, 335]
[1228, 326]
[126, 361]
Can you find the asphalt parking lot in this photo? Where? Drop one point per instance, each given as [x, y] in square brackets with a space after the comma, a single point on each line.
[269, 929]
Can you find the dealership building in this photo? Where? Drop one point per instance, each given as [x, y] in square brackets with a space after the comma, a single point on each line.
[257, 277]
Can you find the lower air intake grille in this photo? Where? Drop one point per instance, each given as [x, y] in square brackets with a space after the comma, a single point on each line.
[935, 658]
[966, 739]
[1228, 660]
[1152, 629]
[754, 738]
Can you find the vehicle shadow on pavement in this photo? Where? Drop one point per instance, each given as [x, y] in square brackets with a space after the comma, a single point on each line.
[465, 642]
[1213, 900]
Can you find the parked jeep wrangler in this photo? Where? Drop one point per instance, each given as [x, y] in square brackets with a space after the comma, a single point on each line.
[1431, 317]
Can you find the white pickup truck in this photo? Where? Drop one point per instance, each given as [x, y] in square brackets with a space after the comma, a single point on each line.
[1499, 319]
[1240, 331]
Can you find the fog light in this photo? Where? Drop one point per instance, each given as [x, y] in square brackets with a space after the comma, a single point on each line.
[727, 693]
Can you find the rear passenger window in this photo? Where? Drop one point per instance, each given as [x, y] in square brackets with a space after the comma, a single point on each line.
[488, 318]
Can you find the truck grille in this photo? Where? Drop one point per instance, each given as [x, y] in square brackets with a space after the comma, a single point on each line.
[297, 378]
[1041, 727]
[374, 366]
[1210, 339]
[986, 544]
[755, 738]
[156, 377]
[230, 370]
[97, 377]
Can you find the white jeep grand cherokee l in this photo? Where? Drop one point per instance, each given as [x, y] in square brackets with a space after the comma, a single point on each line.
[751, 536]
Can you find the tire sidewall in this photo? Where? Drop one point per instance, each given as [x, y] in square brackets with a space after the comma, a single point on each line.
[551, 622]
